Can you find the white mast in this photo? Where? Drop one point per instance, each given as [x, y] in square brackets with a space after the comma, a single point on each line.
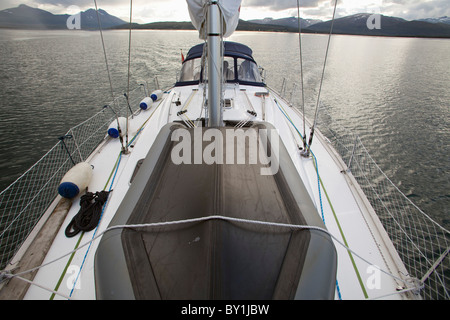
[214, 19]
[214, 54]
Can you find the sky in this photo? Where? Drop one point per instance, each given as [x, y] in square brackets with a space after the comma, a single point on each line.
[145, 11]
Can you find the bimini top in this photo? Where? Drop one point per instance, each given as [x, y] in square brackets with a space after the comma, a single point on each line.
[239, 66]
[233, 49]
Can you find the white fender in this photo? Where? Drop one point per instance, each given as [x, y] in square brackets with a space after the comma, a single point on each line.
[156, 95]
[113, 130]
[75, 180]
[146, 103]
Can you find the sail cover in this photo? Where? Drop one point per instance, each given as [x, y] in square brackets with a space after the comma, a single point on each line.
[230, 11]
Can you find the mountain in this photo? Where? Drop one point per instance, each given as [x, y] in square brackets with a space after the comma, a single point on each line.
[357, 24]
[25, 17]
[163, 25]
[252, 26]
[444, 19]
[291, 22]
[89, 19]
[353, 25]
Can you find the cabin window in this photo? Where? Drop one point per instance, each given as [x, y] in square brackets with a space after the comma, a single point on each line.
[248, 71]
[191, 70]
[233, 69]
[228, 68]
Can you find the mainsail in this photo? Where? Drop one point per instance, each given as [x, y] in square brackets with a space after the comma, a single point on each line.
[230, 12]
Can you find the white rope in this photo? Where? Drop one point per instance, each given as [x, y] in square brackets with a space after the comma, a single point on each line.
[202, 219]
[8, 276]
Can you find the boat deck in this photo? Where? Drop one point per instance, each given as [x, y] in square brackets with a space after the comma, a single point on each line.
[349, 219]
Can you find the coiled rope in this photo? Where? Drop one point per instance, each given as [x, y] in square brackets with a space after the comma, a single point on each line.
[88, 217]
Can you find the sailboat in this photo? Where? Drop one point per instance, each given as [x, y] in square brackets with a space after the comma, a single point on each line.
[210, 189]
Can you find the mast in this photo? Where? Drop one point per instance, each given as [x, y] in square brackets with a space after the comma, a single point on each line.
[214, 54]
[215, 20]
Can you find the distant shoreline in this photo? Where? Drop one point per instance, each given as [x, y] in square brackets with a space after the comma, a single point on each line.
[248, 26]
[28, 28]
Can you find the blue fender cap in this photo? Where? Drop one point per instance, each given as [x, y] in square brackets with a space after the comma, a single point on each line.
[68, 190]
[113, 132]
[143, 106]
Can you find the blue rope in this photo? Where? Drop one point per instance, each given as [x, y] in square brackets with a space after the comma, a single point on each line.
[318, 178]
[318, 185]
[95, 231]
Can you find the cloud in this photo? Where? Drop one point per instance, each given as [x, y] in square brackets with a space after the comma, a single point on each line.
[102, 3]
[416, 9]
[79, 3]
[158, 10]
[144, 11]
[408, 9]
[279, 5]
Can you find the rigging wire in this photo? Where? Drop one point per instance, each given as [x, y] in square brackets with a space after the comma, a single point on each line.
[128, 72]
[301, 73]
[311, 135]
[129, 47]
[107, 69]
[104, 51]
